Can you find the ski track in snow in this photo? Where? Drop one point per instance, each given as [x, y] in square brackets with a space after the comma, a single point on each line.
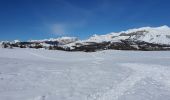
[97, 60]
[41, 56]
[141, 71]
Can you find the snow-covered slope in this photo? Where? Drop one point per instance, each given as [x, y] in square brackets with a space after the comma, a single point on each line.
[29, 74]
[101, 38]
[158, 35]
[0, 44]
[62, 40]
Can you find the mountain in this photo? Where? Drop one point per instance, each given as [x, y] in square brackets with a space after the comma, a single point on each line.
[145, 38]
[157, 35]
[45, 43]
[61, 40]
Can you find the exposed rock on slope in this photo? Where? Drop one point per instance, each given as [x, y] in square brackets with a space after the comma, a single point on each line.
[146, 38]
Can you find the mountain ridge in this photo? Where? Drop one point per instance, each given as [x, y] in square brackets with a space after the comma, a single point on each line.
[144, 38]
[144, 34]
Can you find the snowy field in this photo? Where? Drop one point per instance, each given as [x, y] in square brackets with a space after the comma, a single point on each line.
[29, 74]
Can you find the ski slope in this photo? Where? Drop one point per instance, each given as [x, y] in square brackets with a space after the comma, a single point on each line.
[29, 74]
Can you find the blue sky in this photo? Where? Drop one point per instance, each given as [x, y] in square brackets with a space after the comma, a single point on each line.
[38, 19]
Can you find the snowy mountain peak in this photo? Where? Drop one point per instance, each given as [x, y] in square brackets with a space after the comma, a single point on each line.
[160, 30]
[100, 38]
[158, 35]
[57, 39]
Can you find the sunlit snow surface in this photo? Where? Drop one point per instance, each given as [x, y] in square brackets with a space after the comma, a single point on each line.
[29, 74]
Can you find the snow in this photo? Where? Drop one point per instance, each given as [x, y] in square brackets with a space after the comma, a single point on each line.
[61, 39]
[162, 29]
[101, 38]
[16, 41]
[0, 44]
[158, 35]
[30, 74]
[118, 38]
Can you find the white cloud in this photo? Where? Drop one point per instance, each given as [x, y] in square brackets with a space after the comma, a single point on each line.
[59, 29]
[66, 28]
